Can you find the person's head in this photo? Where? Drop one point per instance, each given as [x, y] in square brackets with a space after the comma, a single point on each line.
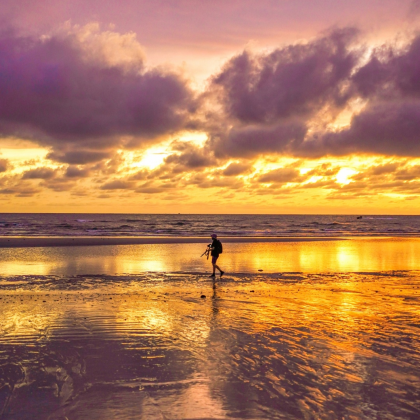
[213, 236]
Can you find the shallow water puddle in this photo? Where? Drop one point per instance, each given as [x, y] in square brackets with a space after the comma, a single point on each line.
[356, 254]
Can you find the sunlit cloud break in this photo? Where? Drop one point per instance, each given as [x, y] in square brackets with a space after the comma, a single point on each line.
[329, 118]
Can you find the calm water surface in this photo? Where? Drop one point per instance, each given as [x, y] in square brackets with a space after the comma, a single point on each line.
[372, 254]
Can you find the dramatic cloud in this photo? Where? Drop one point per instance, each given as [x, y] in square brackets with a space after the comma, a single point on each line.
[254, 140]
[391, 73]
[269, 100]
[389, 124]
[326, 118]
[59, 91]
[382, 128]
[284, 102]
[296, 80]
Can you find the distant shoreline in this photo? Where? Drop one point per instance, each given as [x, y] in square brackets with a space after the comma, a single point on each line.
[31, 241]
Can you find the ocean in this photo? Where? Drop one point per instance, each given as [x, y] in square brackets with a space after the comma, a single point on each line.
[75, 224]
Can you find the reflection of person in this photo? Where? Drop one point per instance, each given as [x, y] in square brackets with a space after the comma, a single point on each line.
[216, 250]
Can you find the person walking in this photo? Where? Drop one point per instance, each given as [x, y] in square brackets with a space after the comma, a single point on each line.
[216, 249]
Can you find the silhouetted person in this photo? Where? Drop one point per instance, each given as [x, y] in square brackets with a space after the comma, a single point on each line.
[216, 250]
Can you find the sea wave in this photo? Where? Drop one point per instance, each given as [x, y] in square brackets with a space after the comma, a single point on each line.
[203, 225]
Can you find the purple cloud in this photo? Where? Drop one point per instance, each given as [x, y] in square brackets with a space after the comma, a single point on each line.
[292, 81]
[56, 94]
[270, 100]
[383, 128]
[249, 141]
[390, 122]
[390, 73]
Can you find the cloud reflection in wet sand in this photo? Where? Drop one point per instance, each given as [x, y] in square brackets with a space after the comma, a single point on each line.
[258, 346]
[361, 254]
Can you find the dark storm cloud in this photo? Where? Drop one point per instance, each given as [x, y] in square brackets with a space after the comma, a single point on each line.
[51, 92]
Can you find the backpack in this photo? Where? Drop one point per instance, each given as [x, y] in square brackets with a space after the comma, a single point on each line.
[219, 247]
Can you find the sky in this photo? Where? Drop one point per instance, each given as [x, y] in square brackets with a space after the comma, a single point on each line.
[199, 106]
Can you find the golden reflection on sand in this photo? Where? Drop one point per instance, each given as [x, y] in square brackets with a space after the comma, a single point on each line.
[291, 345]
[20, 322]
[160, 314]
[369, 254]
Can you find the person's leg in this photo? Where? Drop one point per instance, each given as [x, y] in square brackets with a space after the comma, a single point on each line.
[213, 261]
[214, 270]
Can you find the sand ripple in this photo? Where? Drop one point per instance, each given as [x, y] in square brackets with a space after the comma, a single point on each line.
[294, 345]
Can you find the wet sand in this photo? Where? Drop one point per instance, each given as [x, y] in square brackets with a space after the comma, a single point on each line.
[149, 346]
[367, 254]
[319, 334]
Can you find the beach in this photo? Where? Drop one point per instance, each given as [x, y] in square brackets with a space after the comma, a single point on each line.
[210, 210]
[295, 329]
